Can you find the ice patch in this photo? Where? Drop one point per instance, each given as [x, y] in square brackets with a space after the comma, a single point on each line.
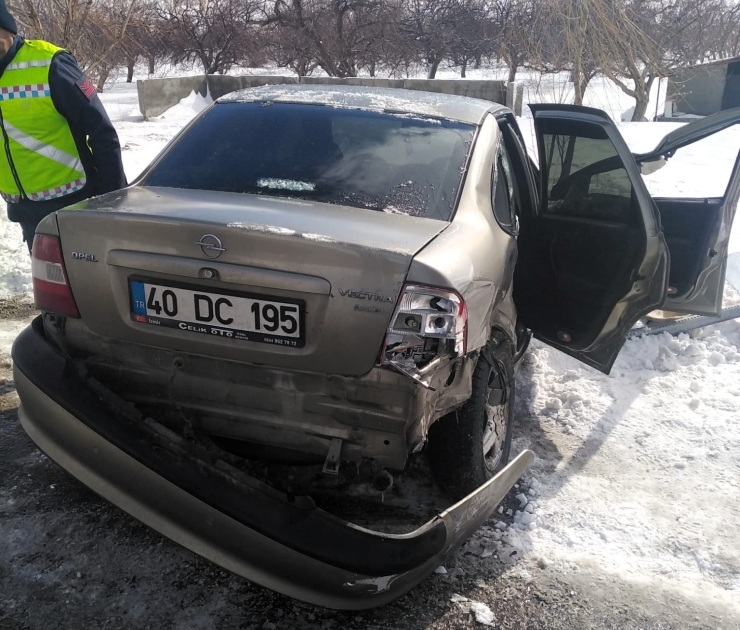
[482, 613]
[317, 238]
[285, 184]
[434, 121]
[266, 229]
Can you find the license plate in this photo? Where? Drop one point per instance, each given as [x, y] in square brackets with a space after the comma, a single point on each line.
[225, 314]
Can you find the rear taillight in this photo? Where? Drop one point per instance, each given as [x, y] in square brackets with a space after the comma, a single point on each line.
[424, 314]
[50, 284]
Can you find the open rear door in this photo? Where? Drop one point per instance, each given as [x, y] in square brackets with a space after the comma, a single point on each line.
[592, 259]
[697, 231]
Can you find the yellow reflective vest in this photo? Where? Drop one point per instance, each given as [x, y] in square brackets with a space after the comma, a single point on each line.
[39, 160]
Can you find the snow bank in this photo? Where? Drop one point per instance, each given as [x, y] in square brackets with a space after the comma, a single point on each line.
[637, 472]
[187, 108]
[15, 263]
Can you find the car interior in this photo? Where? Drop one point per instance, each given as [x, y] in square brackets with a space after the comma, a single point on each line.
[688, 229]
[579, 246]
[578, 249]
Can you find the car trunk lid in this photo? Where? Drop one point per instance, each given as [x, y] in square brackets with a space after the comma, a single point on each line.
[343, 267]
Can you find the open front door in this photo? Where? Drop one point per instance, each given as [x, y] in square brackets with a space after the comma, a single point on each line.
[592, 259]
[697, 231]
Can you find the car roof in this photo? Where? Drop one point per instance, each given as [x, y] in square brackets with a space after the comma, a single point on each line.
[434, 104]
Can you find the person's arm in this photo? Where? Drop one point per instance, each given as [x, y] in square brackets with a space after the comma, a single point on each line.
[76, 99]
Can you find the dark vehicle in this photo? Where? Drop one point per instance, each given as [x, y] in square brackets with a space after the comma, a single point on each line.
[343, 278]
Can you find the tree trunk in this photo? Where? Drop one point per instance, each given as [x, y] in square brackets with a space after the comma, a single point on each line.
[512, 71]
[476, 65]
[579, 85]
[151, 64]
[433, 67]
[641, 105]
[372, 68]
[642, 99]
[130, 68]
[103, 77]
[464, 69]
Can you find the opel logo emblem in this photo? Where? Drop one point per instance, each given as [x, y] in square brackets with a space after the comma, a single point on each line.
[211, 246]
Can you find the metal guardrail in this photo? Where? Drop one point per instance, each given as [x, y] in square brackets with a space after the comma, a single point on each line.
[685, 324]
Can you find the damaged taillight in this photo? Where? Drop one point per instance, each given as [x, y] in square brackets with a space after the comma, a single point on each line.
[50, 283]
[426, 323]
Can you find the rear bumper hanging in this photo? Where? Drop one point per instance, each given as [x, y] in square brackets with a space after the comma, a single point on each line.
[283, 543]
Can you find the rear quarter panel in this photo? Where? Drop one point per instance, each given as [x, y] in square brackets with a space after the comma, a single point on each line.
[474, 256]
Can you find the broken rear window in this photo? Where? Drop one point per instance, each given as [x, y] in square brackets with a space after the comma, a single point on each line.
[393, 163]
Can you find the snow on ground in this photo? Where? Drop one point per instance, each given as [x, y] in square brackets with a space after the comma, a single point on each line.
[15, 263]
[637, 473]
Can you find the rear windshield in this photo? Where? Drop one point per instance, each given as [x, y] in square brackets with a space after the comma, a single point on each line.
[387, 162]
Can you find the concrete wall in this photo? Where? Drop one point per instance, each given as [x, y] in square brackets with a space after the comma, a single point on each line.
[698, 90]
[219, 85]
[156, 96]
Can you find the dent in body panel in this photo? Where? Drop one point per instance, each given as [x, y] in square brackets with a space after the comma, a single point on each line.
[474, 256]
[382, 415]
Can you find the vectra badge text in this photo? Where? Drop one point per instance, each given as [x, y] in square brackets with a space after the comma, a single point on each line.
[365, 295]
[211, 246]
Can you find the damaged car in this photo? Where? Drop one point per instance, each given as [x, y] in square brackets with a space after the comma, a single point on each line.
[308, 311]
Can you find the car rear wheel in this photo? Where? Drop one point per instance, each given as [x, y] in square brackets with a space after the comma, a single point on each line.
[468, 447]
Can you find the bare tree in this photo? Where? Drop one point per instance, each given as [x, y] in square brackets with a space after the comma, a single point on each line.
[93, 30]
[727, 31]
[146, 39]
[429, 26]
[474, 33]
[215, 33]
[571, 37]
[516, 22]
[339, 36]
[659, 35]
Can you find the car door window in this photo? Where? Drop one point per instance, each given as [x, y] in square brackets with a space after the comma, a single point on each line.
[586, 177]
[593, 260]
[504, 192]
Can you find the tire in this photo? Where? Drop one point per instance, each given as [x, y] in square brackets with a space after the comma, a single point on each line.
[456, 442]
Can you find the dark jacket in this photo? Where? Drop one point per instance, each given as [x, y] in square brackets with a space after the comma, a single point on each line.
[93, 132]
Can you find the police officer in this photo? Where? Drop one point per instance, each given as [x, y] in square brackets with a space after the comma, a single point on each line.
[59, 146]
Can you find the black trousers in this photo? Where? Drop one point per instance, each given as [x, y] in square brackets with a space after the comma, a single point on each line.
[30, 213]
[29, 229]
